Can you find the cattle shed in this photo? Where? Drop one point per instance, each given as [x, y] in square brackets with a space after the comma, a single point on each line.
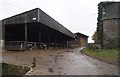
[81, 40]
[33, 27]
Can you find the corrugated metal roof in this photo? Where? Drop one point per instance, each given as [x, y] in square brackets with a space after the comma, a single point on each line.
[37, 16]
[81, 34]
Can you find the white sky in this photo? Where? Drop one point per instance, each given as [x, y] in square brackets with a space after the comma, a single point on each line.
[75, 15]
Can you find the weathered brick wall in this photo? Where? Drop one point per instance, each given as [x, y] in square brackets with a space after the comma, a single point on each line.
[110, 33]
[81, 40]
[111, 19]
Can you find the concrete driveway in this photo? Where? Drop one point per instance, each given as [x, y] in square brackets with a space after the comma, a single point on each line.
[60, 62]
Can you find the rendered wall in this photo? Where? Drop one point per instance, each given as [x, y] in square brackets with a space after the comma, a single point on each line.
[1, 36]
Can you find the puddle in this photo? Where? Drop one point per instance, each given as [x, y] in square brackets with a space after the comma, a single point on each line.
[50, 70]
[13, 70]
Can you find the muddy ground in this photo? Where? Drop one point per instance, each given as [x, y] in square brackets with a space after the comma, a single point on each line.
[59, 62]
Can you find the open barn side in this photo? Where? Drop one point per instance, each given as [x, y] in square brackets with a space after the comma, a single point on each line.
[34, 29]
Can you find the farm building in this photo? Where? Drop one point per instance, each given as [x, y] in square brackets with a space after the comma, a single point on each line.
[34, 28]
[81, 40]
[108, 23]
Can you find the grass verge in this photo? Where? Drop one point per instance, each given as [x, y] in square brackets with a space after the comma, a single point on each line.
[106, 55]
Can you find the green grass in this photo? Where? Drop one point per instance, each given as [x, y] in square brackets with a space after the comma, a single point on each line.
[10, 69]
[107, 55]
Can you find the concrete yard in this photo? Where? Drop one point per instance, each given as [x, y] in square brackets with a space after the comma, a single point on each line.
[59, 62]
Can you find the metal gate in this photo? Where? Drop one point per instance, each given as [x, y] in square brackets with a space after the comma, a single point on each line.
[15, 45]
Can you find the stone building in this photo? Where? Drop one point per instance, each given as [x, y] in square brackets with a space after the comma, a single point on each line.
[109, 22]
[81, 40]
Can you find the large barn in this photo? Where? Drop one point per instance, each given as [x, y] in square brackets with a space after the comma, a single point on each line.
[34, 28]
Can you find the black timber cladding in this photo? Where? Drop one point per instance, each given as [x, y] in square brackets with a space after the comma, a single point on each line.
[37, 16]
[26, 17]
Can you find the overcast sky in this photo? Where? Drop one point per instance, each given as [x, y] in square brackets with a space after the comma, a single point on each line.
[75, 15]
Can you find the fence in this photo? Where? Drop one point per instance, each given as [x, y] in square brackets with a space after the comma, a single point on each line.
[15, 45]
[21, 45]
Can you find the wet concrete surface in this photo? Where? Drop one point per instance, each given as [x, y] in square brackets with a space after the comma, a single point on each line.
[60, 62]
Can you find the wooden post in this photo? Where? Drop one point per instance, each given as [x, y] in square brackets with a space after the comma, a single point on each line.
[25, 36]
[34, 62]
[48, 40]
[55, 40]
[40, 38]
[25, 33]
